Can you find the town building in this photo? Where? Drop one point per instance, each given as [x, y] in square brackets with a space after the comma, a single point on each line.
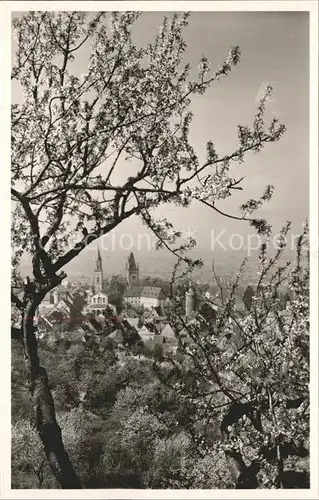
[137, 294]
[145, 333]
[56, 307]
[146, 296]
[96, 297]
[199, 306]
[168, 333]
[133, 322]
[199, 317]
[97, 303]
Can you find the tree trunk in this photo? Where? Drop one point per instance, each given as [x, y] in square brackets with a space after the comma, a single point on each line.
[43, 405]
[280, 467]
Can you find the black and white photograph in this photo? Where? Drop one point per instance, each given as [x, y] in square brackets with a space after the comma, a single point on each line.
[164, 249]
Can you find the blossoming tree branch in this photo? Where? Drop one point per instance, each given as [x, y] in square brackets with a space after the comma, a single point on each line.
[71, 134]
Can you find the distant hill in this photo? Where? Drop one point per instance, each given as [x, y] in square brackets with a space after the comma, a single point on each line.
[160, 263]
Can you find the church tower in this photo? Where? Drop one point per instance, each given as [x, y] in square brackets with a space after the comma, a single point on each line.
[98, 274]
[132, 271]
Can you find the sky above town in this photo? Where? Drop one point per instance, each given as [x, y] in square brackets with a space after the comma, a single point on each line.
[274, 48]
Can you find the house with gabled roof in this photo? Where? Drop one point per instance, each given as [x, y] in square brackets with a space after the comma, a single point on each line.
[168, 333]
[133, 322]
[117, 336]
[154, 313]
[130, 313]
[58, 310]
[145, 333]
[146, 296]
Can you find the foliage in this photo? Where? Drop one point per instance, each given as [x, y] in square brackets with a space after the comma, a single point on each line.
[250, 373]
[70, 133]
[115, 289]
[84, 436]
[29, 467]
[76, 310]
[214, 416]
[137, 436]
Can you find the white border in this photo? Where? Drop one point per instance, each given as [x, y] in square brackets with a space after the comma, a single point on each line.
[5, 99]
[164, 5]
[314, 243]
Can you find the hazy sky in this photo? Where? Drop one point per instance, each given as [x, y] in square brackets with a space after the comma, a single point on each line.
[274, 48]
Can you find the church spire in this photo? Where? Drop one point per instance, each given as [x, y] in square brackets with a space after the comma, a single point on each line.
[98, 273]
[98, 260]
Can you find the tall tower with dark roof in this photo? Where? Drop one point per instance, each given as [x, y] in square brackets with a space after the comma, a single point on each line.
[132, 271]
[98, 273]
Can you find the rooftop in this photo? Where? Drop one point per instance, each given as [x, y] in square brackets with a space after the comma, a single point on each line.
[144, 291]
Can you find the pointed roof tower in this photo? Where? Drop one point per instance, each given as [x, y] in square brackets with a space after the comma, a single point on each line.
[98, 260]
[131, 264]
[132, 270]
